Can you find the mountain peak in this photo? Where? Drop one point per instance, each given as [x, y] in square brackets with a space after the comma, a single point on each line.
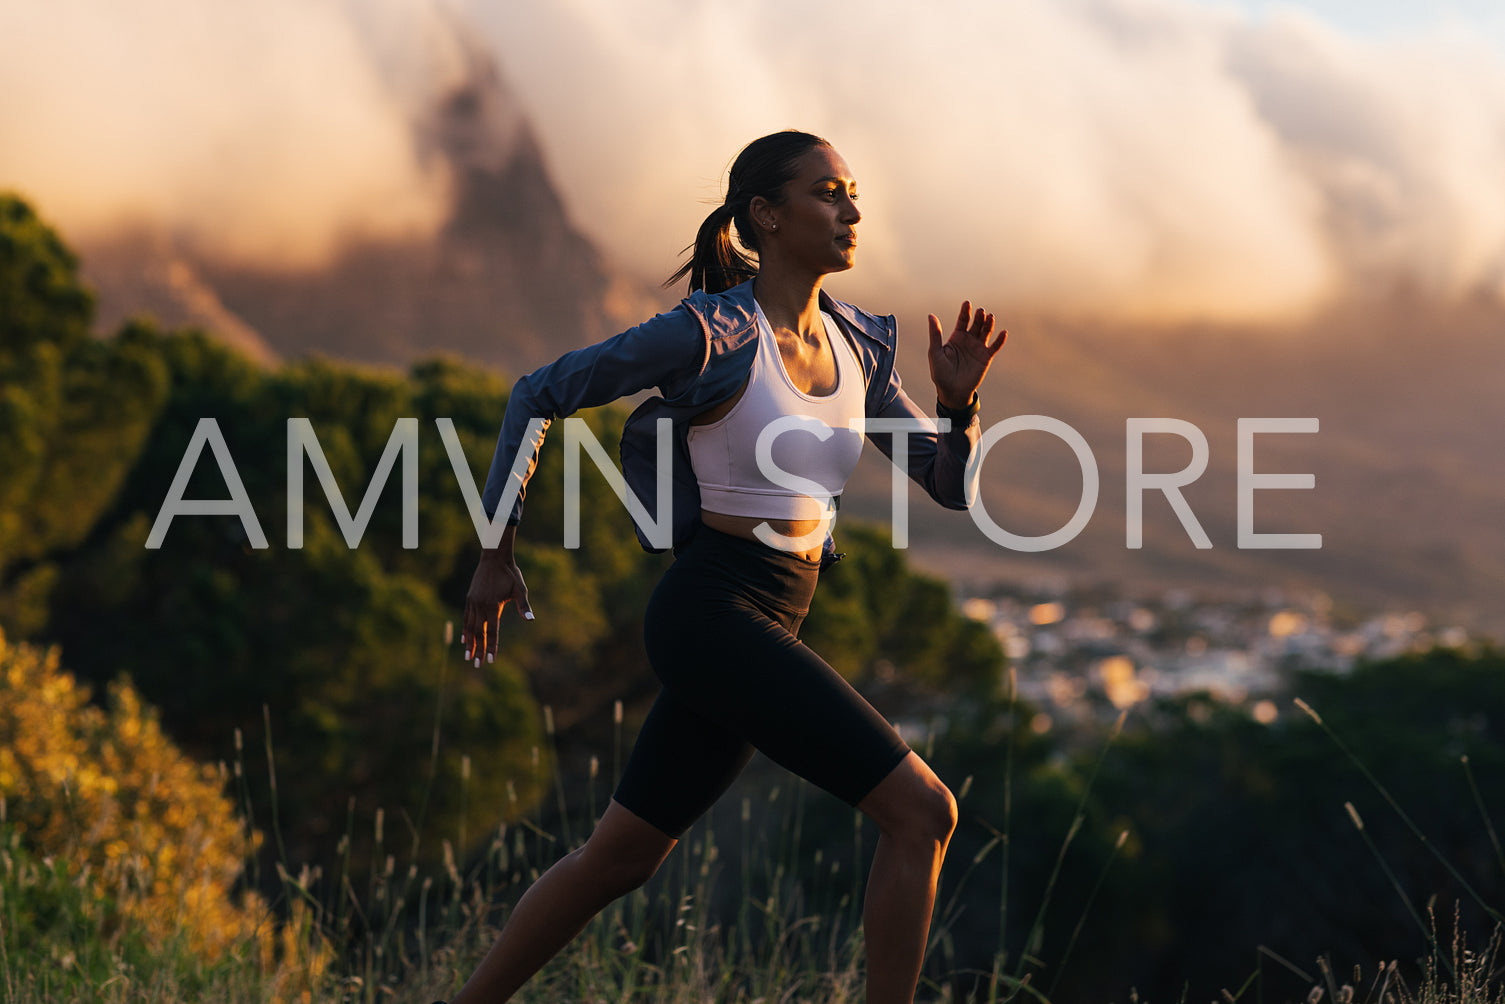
[506, 279]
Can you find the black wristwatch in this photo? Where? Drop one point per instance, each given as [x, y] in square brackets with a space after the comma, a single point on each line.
[962, 415]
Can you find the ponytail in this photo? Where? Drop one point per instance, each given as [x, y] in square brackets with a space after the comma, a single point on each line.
[762, 169]
[715, 261]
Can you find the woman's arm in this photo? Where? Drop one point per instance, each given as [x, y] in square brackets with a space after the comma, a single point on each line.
[667, 352]
[938, 462]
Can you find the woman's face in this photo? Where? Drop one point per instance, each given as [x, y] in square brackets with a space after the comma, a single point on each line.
[816, 223]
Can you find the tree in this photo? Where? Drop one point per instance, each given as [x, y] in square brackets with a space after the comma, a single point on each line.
[74, 412]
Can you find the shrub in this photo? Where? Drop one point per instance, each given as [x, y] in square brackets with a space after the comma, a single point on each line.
[101, 797]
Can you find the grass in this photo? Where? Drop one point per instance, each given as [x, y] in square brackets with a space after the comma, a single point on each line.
[403, 932]
[753, 916]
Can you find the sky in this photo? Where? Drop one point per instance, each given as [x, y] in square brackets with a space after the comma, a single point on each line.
[1390, 18]
[1150, 161]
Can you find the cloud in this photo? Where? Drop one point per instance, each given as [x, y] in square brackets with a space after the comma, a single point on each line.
[267, 132]
[1405, 140]
[1157, 161]
[1149, 160]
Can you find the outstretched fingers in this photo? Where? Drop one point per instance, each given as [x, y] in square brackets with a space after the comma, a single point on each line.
[982, 326]
[997, 343]
[974, 326]
[973, 323]
[479, 637]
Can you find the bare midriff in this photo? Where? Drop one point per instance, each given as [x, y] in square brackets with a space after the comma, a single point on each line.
[746, 528]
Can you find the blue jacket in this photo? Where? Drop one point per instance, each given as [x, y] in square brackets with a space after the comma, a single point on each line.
[698, 355]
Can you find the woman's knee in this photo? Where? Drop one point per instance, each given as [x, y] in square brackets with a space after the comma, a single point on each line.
[617, 872]
[913, 804]
[625, 851]
[939, 813]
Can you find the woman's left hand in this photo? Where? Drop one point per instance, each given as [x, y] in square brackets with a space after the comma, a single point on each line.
[958, 365]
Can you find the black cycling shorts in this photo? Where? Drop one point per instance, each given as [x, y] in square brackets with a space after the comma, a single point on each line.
[721, 632]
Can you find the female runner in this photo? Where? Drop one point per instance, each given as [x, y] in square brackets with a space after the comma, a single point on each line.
[762, 376]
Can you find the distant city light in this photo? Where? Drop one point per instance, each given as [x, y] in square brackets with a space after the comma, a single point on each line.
[1046, 613]
[1286, 623]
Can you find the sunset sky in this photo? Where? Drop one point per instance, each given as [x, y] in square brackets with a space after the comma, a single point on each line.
[1144, 160]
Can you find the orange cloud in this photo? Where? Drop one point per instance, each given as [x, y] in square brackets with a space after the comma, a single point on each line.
[1155, 161]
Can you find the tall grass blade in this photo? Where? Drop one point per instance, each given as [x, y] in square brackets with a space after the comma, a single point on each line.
[1426, 931]
[344, 880]
[1405, 817]
[564, 814]
[1008, 805]
[1489, 826]
[1000, 953]
[1327, 978]
[1244, 987]
[428, 787]
[254, 864]
[266, 718]
[1037, 927]
[1086, 909]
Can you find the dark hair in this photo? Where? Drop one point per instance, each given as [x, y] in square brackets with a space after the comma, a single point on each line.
[762, 168]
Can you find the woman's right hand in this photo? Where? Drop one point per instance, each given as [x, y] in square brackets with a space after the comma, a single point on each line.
[497, 580]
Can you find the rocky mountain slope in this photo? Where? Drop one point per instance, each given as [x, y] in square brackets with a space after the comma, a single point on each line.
[508, 280]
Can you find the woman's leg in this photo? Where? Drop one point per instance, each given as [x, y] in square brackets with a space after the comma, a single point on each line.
[767, 687]
[916, 816]
[680, 765]
[621, 854]
[747, 674]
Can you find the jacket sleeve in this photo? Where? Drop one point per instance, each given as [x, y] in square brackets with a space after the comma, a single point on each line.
[667, 352]
[935, 461]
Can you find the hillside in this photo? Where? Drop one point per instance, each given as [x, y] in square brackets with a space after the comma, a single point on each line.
[1409, 471]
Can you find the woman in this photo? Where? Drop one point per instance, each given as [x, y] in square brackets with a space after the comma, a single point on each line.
[756, 344]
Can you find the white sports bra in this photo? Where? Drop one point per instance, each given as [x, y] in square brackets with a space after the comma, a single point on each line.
[780, 453]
